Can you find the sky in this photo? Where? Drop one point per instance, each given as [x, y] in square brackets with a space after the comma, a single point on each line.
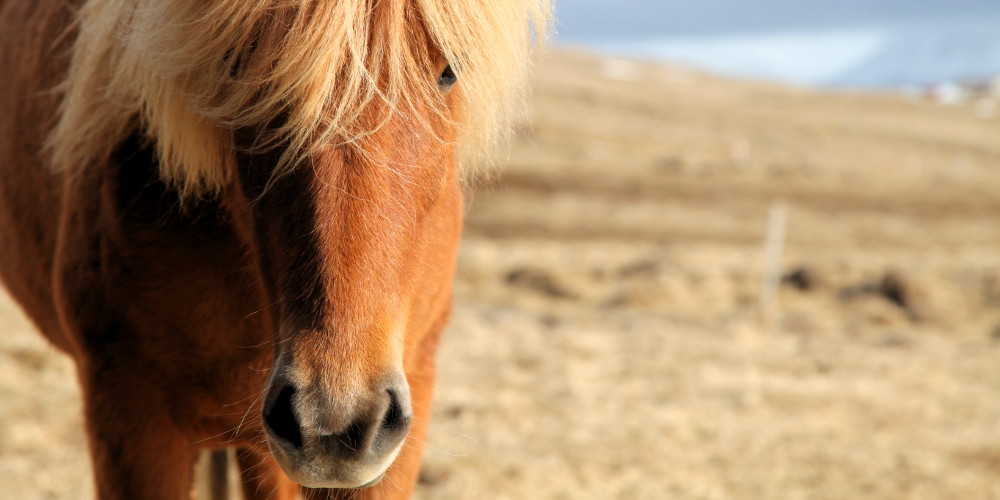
[846, 43]
[590, 19]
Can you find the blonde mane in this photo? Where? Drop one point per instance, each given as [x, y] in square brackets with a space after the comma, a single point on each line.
[188, 73]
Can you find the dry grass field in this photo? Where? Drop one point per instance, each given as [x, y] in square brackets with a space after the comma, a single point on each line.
[608, 340]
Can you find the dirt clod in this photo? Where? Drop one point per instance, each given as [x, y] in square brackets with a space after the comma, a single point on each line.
[540, 281]
[905, 293]
[803, 278]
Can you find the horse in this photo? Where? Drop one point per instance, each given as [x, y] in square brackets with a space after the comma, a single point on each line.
[240, 219]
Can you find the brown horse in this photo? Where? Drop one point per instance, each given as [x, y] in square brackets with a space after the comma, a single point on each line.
[240, 218]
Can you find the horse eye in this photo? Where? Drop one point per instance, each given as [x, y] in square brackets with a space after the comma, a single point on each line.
[447, 78]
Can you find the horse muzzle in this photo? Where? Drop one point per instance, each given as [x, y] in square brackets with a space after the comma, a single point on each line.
[336, 439]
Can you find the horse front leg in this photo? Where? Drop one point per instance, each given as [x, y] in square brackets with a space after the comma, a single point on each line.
[136, 449]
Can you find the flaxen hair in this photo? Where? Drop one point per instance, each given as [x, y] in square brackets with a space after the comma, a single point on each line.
[188, 73]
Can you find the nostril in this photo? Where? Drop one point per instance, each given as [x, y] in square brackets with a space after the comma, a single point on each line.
[395, 417]
[280, 417]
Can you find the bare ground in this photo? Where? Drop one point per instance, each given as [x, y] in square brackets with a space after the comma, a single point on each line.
[608, 340]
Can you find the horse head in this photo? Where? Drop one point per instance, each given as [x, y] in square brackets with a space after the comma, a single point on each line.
[357, 248]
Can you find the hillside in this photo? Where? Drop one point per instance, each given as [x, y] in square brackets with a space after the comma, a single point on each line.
[608, 341]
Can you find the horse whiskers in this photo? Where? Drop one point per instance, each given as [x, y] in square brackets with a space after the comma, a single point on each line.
[249, 408]
[254, 313]
[389, 478]
[423, 444]
[244, 399]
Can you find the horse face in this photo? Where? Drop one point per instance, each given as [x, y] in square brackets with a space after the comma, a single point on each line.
[357, 249]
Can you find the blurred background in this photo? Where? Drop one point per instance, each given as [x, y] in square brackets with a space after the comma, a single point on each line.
[738, 250]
